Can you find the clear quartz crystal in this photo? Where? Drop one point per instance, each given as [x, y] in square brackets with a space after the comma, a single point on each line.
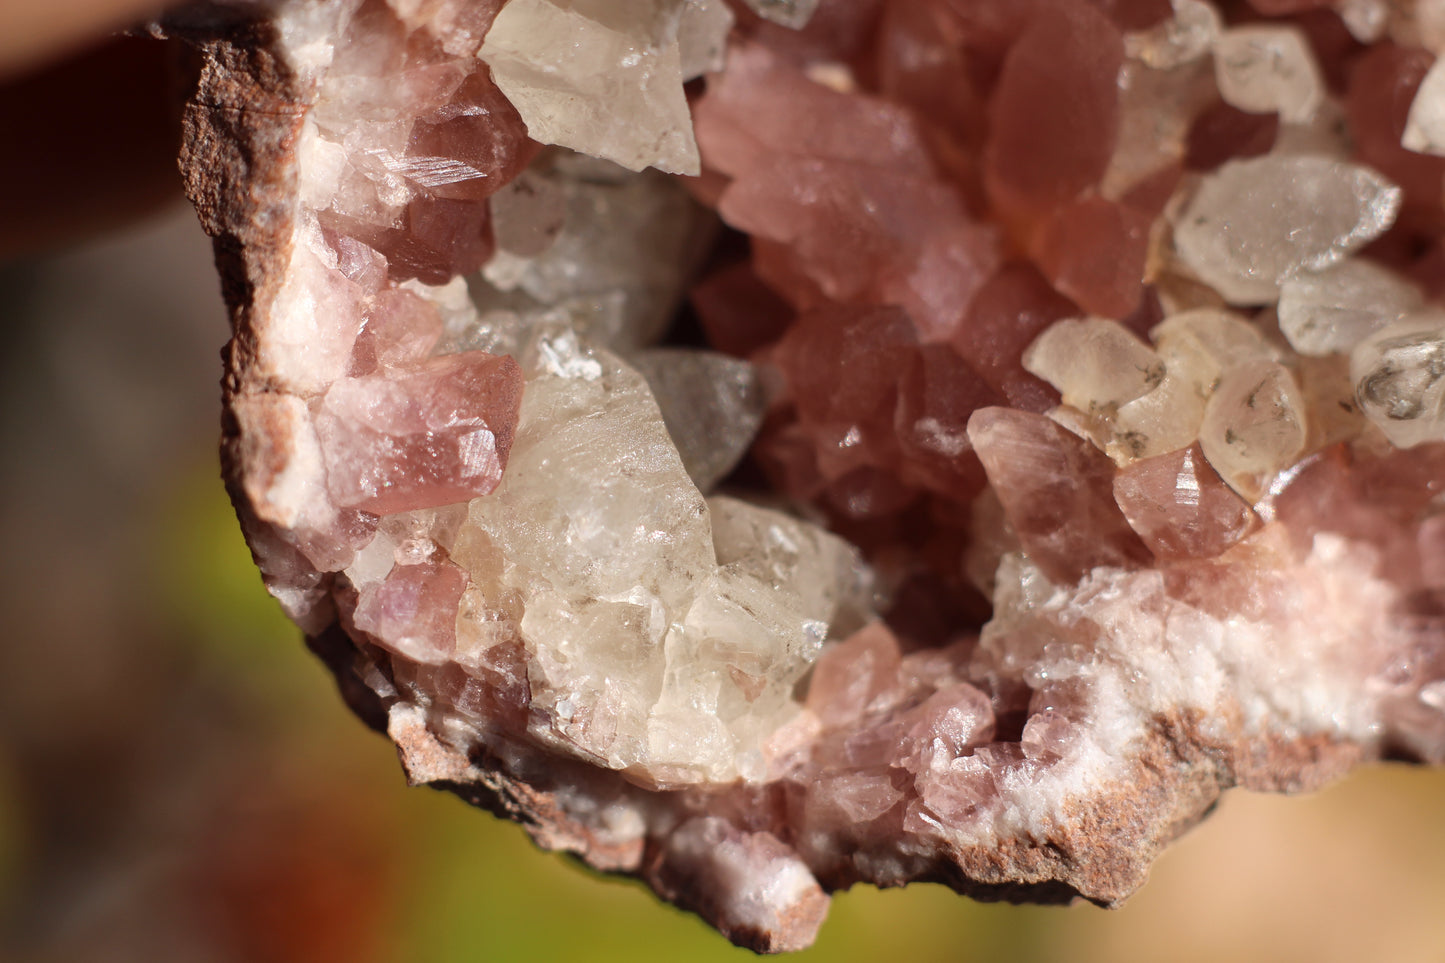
[1399, 376]
[1425, 124]
[1254, 426]
[1156, 108]
[1254, 223]
[712, 405]
[601, 77]
[613, 250]
[528, 214]
[1096, 364]
[1332, 310]
[1268, 69]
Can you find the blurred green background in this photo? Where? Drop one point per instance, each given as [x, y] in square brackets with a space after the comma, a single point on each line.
[179, 781]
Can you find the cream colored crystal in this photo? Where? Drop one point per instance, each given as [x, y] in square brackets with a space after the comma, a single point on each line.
[1183, 38]
[1399, 376]
[1096, 364]
[1366, 20]
[1333, 310]
[1425, 125]
[1201, 345]
[754, 629]
[601, 77]
[702, 36]
[603, 533]
[1254, 223]
[1254, 426]
[825, 572]
[1268, 69]
[1164, 420]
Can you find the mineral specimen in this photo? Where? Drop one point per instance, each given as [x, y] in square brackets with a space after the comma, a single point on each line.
[1067, 444]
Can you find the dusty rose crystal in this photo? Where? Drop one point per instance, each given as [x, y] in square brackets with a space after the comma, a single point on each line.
[1051, 434]
[426, 435]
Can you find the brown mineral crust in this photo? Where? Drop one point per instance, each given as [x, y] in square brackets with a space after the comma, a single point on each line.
[239, 134]
[243, 119]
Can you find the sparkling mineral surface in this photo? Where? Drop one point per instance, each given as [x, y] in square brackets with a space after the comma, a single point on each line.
[1021, 422]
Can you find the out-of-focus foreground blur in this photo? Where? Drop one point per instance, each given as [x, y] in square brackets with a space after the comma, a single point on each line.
[180, 782]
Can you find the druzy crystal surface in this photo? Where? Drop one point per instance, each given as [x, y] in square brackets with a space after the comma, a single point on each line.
[765, 447]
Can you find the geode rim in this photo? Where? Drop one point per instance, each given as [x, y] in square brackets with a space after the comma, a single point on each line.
[1044, 821]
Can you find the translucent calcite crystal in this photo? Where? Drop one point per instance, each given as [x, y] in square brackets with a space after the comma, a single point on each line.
[711, 404]
[1425, 125]
[1330, 311]
[1027, 423]
[1400, 378]
[1264, 69]
[619, 96]
[1254, 223]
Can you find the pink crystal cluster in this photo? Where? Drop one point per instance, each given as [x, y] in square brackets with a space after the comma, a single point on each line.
[1100, 330]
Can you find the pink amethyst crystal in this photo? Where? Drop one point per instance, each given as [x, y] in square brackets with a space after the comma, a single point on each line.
[1085, 371]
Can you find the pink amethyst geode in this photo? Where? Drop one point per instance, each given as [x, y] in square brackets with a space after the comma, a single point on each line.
[763, 449]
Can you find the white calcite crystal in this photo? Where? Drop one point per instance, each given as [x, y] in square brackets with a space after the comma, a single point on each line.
[598, 76]
[1268, 69]
[1425, 124]
[1254, 223]
[1330, 311]
[1399, 376]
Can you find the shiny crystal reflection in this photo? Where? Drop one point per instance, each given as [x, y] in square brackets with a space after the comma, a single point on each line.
[1082, 364]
